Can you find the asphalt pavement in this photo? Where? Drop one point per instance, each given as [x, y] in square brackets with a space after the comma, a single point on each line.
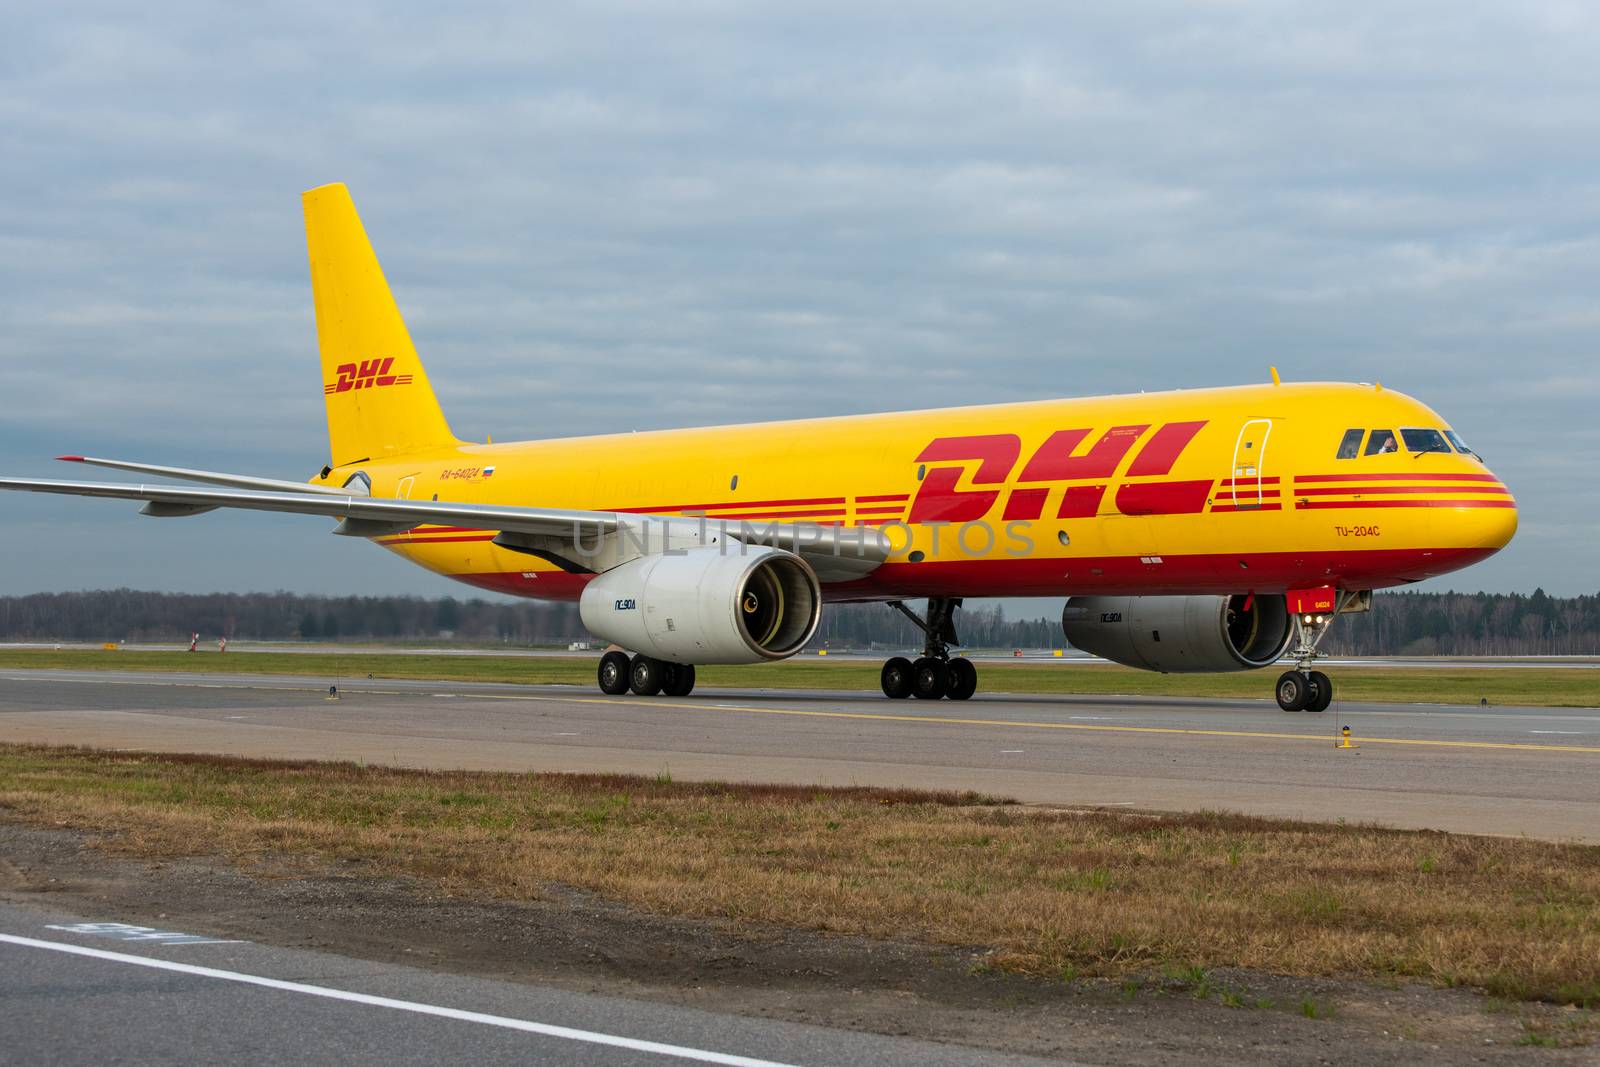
[1497, 770]
[89, 989]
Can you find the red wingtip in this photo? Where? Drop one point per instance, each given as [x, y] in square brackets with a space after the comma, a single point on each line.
[71, 459]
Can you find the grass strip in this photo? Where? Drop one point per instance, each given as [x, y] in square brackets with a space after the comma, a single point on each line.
[1058, 894]
[1530, 686]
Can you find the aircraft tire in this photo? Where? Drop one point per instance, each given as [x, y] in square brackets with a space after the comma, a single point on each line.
[645, 676]
[613, 673]
[896, 678]
[963, 679]
[930, 679]
[1322, 692]
[1293, 691]
[680, 680]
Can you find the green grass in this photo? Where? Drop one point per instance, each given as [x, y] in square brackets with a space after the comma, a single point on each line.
[1543, 687]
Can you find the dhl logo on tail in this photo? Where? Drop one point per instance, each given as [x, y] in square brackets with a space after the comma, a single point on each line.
[368, 374]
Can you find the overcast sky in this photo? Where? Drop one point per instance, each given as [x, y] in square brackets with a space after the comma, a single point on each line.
[629, 216]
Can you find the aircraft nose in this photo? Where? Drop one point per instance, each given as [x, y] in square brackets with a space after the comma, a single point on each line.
[1492, 524]
[1498, 526]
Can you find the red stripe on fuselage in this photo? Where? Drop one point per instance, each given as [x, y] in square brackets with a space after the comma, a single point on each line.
[1246, 494]
[1419, 477]
[1347, 490]
[809, 501]
[815, 513]
[1435, 503]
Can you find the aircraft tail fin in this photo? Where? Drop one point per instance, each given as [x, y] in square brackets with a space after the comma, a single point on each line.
[376, 390]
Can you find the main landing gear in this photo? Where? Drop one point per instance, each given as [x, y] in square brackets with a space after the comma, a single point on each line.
[934, 674]
[1303, 689]
[644, 675]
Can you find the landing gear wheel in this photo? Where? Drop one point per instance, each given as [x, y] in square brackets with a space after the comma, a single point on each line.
[645, 676]
[614, 673]
[1293, 691]
[680, 681]
[963, 679]
[896, 678]
[1322, 692]
[930, 678]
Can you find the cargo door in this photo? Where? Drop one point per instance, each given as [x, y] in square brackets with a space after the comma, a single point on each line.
[1249, 463]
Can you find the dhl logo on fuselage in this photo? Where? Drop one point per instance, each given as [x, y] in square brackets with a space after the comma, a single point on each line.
[1059, 459]
[368, 374]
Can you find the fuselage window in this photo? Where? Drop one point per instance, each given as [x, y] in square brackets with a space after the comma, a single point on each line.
[1350, 447]
[1461, 446]
[1424, 441]
[1380, 442]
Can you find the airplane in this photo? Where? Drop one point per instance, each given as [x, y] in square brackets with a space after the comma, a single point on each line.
[1214, 529]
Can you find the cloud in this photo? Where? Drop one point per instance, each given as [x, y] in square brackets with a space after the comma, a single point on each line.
[624, 216]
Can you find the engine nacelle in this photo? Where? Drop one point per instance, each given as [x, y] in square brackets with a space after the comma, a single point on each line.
[705, 606]
[1179, 634]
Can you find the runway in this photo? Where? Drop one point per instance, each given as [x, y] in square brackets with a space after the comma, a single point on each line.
[1517, 771]
[83, 990]
[1070, 657]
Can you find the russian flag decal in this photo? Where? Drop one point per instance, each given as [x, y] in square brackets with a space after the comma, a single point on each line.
[488, 472]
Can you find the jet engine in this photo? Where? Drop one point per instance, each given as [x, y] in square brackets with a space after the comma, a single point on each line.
[1179, 634]
[706, 606]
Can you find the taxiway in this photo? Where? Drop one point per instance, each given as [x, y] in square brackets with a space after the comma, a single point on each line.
[1498, 770]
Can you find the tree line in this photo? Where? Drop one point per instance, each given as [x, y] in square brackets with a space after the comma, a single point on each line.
[1401, 623]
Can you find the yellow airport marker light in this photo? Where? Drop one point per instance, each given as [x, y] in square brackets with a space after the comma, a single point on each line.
[822, 652]
[1056, 653]
[1345, 732]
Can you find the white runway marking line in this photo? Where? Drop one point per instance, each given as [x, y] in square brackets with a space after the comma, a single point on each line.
[566, 1033]
[147, 934]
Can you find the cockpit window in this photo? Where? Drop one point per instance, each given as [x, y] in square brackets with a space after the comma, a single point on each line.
[1381, 442]
[1461, 446]
[1424, 441]
[1350, 447]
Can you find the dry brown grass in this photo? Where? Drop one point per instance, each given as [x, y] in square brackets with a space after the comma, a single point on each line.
[1062, 893]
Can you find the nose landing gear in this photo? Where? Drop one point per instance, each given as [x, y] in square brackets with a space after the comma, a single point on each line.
[935, 674]
[1304, 689]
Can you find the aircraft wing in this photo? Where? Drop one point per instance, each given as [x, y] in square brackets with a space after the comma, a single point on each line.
[237, 481]
[565, 536]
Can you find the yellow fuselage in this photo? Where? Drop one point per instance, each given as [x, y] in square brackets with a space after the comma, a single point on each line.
[1210, 491]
